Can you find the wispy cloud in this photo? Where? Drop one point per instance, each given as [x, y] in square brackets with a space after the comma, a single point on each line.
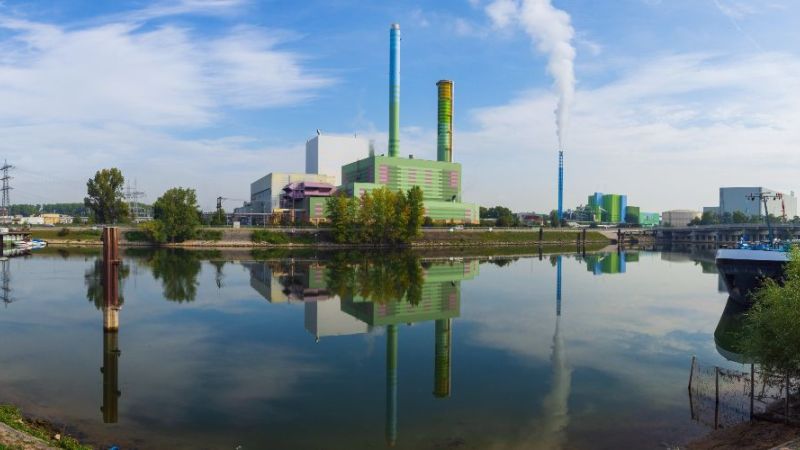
[105, 92]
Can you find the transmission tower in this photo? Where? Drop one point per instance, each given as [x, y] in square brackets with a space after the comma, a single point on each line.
[132, 196]
[5, 207]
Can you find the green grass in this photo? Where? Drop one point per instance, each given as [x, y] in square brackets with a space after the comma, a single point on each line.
[70, 234]
[12, 416]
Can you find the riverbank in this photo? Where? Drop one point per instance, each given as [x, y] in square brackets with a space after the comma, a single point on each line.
[19, 432]
[320, 238]
[755, 435]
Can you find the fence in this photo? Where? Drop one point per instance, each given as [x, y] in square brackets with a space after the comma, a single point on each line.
[721, 397]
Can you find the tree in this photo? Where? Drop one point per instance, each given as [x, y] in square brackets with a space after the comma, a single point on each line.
[176, 216]
[218, 219]
[341, 212]
[416, 212]
[709, 218]
[105, 198]
[554, 218]
[739, 217]
[771, 336]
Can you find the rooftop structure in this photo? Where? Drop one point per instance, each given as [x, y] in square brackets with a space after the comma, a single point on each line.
[265, 192]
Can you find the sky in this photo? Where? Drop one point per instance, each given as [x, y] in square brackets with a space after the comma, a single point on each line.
[672, 98]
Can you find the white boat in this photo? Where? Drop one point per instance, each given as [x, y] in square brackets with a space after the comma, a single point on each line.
[37, 244]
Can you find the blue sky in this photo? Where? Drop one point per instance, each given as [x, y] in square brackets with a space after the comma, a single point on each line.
[673, 98]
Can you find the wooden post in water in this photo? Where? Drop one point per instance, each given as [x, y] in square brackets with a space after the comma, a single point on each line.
[584, 237]
[691, 371]
[786, 415]
[752, 388]
[541, 235]
[716, 397]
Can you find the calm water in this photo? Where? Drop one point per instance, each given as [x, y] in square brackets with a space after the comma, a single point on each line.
[218, 350]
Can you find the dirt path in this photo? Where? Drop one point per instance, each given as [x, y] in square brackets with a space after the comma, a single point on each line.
[17, 439]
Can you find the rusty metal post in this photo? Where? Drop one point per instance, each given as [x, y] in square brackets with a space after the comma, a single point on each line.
[111, 278]
[786, 415]
[752, 388]
[716, 397]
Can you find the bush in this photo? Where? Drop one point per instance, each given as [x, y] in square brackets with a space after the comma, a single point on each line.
[137, 236]
[209, 235]
[269, 237]
[772, 334]
[63, 232]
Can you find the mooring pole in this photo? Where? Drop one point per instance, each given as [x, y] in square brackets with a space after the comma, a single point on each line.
[786, 415]
[691, 371]
[752, 388]
[716, 399]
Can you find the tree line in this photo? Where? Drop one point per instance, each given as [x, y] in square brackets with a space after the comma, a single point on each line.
[381, 216]
[69, 209]
[176, 214]
[712, 218]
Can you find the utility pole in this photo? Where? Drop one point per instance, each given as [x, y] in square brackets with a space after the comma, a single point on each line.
[132, 196]
[5, 207]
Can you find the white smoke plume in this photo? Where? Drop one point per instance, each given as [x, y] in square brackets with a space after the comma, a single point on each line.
[552, 34]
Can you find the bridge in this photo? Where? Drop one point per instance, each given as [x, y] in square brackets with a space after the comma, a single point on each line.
[725, 234]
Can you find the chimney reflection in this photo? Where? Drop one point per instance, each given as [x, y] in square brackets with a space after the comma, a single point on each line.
[111, 308]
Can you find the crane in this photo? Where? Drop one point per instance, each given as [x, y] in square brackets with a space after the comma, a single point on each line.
[224, 199]
[765, 198]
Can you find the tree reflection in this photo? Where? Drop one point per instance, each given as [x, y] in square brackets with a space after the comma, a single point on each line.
[177, 270]
[391, 277]
[93, 278]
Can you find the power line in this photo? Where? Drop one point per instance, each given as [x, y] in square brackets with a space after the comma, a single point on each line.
[136, 208]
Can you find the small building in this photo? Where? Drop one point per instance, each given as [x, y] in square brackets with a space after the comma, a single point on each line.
[56, 219]
[265, 193]
[679, 217]
[325, 155]
[649, 219]
[307, 200]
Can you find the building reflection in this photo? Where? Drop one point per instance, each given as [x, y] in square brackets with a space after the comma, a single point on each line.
[348, 296]
[610, 263]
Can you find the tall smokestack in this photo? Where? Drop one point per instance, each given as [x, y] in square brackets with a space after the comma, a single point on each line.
[560, 186]
[394, 90]
[444, 141]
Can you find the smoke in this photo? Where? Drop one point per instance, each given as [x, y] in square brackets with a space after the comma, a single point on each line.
[552, 33]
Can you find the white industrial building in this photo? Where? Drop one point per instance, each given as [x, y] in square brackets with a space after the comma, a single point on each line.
[326, 318]
[265, 192]
[325, 155]
[679, 217]
[732, 199]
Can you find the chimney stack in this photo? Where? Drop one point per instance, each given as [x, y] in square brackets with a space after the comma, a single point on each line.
[394, 90]
[444, 141]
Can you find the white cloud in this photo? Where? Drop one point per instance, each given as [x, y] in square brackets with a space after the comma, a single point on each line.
[120, 93]
[651, 134]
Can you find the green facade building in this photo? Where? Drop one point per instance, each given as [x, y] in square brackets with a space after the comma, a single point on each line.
[440, 182]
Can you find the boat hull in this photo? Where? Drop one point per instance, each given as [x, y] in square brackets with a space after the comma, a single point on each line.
[744, 271]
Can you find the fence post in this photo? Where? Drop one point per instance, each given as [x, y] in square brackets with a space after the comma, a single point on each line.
[691, 372]
[716, 400]
[752, 387]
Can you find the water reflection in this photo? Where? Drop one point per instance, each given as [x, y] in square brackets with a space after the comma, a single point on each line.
[249, 367]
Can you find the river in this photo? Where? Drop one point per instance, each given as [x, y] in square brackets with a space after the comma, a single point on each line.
[233, 350]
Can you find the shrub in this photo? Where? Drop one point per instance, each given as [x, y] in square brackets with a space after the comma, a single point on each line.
[63, 232]
[209, 235]
[269, 237]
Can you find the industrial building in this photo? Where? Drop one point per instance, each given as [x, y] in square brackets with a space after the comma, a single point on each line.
[608, 208]
[265, 193]
[679, 217]
[351, 165]
[327, 154]
[746, 200]
[439, 180]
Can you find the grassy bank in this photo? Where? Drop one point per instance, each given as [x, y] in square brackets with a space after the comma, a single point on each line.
[255, 237]
[66, 234]
[12, 416]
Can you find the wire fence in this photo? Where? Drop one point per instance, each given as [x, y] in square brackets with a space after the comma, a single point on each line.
[721, 397]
